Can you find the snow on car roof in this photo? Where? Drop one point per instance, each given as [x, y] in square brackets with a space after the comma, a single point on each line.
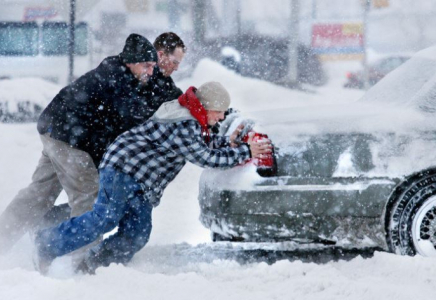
[411, 85]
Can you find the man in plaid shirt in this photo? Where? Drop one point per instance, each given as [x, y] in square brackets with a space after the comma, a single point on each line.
[136, 169]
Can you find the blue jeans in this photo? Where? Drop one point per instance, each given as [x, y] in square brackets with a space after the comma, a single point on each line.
[120, 202]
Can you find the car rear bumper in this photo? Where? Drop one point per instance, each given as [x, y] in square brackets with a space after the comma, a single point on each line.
[347, 211]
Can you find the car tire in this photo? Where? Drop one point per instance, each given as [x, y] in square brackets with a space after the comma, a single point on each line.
[411, 216]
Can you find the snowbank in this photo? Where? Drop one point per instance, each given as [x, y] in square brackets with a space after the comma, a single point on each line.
[34, 90]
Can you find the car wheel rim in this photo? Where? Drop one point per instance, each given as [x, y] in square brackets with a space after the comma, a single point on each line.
[424, 228]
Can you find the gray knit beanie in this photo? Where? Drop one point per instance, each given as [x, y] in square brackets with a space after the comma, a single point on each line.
[213, 96]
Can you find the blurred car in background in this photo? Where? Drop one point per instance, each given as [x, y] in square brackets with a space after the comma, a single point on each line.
[357, 175]
[376, 71]
[263, 57]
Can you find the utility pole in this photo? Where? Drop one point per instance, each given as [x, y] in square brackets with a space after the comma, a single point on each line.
[314, 9]
[238, 18]
[293, 43]
[231, 12]
[367, 6]
[174, 14]
[238, 24]
[71, 40]
[199, 21]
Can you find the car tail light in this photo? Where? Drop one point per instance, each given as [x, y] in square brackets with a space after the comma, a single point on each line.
[267, 165]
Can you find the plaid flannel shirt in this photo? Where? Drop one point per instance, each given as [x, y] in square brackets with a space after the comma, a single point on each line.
[154, 153]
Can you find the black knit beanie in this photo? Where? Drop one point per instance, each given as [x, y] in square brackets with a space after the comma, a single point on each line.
[138, 49]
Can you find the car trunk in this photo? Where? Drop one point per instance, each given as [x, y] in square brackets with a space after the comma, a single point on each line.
[322, 191]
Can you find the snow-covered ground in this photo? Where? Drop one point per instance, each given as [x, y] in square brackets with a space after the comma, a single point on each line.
[179, 262]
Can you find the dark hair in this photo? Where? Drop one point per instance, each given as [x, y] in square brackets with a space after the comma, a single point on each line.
[168, 42]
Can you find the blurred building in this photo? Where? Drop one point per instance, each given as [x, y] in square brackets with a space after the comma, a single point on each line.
[398, 25]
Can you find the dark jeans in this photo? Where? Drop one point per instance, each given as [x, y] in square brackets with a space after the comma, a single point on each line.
[120, 202]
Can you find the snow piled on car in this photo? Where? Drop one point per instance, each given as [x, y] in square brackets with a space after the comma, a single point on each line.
[397, 113]
[411, 85]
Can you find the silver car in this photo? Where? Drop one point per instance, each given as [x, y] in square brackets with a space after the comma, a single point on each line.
[354, 176]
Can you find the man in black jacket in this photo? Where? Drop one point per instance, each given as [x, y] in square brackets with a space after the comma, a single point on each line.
[77, 126]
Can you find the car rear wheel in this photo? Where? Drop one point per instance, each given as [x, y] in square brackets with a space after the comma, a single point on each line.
[424, 228]
[411, 217]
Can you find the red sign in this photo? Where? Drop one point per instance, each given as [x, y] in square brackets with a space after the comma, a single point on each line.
[34, 13]
[337, 38]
